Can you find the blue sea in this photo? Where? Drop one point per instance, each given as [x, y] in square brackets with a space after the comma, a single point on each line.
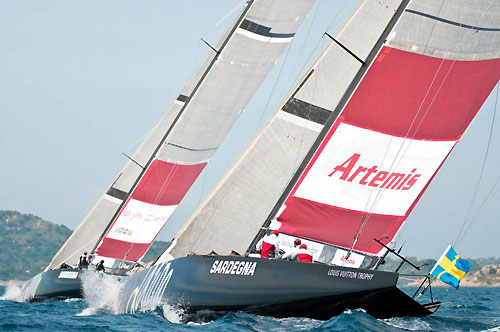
[466, 309]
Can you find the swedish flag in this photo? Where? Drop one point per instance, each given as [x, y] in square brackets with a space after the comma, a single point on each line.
[450, 268]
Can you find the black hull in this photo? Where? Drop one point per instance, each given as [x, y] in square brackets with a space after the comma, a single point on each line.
[53, 284]
[204, 290]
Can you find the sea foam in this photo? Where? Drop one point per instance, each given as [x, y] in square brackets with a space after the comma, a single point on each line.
[100, 292]
[12, 293]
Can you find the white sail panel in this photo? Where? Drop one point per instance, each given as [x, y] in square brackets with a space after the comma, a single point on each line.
[152, 218]
[350, 173]
[235, 211]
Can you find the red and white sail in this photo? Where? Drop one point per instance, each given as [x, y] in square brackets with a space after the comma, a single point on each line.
[403, 120]
[373, 120]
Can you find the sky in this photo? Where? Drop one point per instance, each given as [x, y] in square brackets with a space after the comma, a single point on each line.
[83, 81]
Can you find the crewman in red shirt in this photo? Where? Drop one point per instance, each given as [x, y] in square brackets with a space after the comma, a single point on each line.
[269, 245]
[304, 255]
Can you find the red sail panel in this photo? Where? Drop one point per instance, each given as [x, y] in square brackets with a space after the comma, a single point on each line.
[380, 155]
[148, 208]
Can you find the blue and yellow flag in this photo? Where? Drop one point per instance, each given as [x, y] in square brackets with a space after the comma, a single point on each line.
[450, 268]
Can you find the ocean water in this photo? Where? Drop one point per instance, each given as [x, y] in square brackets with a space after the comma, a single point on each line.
[468, 309]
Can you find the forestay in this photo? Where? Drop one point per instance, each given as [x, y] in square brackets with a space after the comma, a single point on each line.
[187, 136]
[384, 140]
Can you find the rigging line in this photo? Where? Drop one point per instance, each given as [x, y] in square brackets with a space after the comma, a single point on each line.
[460, 234]
[491, 193]
[480, 174]
[337, 15]
[230, 12]
[140, 138]
[211, 28]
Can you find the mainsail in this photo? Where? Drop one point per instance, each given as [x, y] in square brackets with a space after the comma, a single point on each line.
[350, 153]
[150, 186]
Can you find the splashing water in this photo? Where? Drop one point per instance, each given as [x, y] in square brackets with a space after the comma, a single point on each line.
[12, 293]
[172, 314]
[101, 292]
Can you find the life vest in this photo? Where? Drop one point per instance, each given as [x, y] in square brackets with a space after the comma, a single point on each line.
[304, 256]
[268, 245]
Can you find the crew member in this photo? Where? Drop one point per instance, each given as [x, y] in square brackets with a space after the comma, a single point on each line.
[304, 255]
[292, 254]
[269, 245]
[84, 261]
[100, 266]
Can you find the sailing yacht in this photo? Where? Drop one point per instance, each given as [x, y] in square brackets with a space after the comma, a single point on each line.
[340, 165]
[126, 219]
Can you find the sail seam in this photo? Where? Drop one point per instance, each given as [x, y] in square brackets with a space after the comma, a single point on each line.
[440, 19]
[191, 149]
